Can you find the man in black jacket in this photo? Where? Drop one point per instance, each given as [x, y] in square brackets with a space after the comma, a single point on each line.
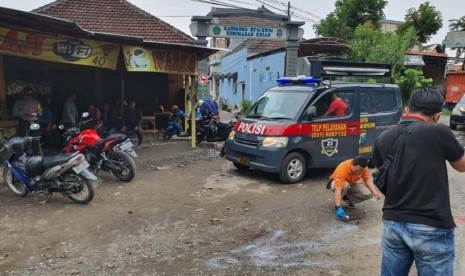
[417, 218]
[132, 120]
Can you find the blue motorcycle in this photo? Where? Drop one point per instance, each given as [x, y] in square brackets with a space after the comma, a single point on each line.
[64, 173]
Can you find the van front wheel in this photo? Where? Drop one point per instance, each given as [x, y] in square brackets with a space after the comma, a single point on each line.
[293, 168]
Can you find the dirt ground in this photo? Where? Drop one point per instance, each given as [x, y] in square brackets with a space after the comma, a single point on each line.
[190, 212]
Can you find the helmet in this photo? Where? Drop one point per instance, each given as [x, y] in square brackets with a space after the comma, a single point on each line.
[174, 107]
[199, 102]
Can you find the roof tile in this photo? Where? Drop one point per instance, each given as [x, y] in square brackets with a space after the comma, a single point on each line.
[117, 17]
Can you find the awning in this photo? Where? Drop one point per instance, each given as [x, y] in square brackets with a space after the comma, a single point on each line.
[413, 60]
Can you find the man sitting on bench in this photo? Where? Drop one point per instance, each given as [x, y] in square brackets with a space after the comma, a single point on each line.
[132, 120]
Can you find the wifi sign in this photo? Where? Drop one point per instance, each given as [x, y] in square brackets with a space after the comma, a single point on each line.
[106, 50]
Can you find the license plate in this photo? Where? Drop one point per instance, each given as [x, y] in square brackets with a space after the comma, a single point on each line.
[243, 160]
[82, 166]
[126, 145]
[131, 152]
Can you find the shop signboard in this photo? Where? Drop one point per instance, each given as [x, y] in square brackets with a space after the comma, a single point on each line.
[239, 31]
[455, 39]
[139, 59]
[57, 48]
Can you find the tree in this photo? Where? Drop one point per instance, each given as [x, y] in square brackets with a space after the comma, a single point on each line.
[348, 15]
[426, 20]
[457, 24]
[410, 80]
[372, 45]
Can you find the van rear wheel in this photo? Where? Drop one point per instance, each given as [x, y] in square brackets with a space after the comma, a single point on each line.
[293, 168]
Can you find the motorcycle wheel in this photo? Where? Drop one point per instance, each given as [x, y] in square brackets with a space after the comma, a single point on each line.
[167, 135]
[85, 194]
[199, 137]
[125, 163]
[13, 184]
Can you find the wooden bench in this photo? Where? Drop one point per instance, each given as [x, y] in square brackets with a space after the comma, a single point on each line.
[149, 129]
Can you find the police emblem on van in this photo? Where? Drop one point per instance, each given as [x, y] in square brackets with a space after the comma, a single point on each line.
[329, 146]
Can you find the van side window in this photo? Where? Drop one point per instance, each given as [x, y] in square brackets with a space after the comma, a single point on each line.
[344, 98]
[377, 100]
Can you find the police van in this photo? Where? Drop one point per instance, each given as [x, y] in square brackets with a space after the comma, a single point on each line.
[285, 131]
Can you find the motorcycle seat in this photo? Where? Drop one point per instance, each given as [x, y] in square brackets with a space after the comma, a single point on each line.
[115, 136]
[52, 161]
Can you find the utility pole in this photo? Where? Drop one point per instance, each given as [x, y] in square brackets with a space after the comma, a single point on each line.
[289, 10]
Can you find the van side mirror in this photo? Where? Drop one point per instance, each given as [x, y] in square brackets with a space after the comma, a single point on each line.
[311, 112]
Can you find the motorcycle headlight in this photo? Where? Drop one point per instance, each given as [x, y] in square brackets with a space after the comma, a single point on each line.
[456, 111]
[231, 135]
[275, 142]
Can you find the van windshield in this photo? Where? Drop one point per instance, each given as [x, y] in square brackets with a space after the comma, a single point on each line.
[278, 104]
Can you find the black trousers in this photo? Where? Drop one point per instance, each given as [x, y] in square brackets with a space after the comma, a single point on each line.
[138, 132]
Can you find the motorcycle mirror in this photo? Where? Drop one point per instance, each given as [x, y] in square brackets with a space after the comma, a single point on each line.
[85, 114]
[34, 127]
[61, 127]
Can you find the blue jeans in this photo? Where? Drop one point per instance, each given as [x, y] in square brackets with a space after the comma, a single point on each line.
[431, 248]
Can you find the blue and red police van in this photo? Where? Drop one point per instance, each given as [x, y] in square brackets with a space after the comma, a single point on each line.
[287, 130]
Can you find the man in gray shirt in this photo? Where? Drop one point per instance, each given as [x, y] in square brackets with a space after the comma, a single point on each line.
[70, 113]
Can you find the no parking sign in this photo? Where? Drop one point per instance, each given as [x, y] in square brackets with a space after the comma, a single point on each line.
[202, 79]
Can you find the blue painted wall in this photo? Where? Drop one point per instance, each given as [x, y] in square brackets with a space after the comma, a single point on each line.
[254, 76]
[265, 71]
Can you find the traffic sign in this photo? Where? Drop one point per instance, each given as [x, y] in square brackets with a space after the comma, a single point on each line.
[202, 79]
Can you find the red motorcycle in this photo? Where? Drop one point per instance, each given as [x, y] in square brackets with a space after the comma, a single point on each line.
[111, 154]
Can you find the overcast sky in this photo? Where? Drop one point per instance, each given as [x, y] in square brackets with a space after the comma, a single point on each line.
[183, 10]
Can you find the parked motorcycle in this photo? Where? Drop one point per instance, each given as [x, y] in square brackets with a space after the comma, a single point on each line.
[217, 130]
[111, 154]
[175, 128]
[65, 173]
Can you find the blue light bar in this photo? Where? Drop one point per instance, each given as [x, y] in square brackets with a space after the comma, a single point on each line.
[298, 80]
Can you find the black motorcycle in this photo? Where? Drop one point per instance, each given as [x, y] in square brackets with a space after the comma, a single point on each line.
[216, 130]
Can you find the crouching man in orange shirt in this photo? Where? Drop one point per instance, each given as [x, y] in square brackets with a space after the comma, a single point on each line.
[351, 183]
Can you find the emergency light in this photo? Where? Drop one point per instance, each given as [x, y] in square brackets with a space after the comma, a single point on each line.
[298, 80]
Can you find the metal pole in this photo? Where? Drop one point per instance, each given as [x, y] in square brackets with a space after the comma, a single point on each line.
[193, 94]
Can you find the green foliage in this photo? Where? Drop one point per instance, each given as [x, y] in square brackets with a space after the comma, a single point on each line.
[372, 45]
[457, 24]
[223, 103]
[245, 105]
[446, 112]
[426, 20]
[348, 15]
[410, 80]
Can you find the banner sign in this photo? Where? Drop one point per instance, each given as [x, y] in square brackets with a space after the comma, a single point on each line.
[455, 39]
[58, 48]
[247, 32]
[139, 59]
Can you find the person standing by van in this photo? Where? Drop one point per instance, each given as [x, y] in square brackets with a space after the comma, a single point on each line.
[351, 184]
[417, 218]
[337, 107]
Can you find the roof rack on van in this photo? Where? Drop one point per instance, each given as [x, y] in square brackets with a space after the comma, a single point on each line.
[298, 80]
[328, 69]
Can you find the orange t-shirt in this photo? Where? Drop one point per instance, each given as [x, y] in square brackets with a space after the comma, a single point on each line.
[343, 174]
